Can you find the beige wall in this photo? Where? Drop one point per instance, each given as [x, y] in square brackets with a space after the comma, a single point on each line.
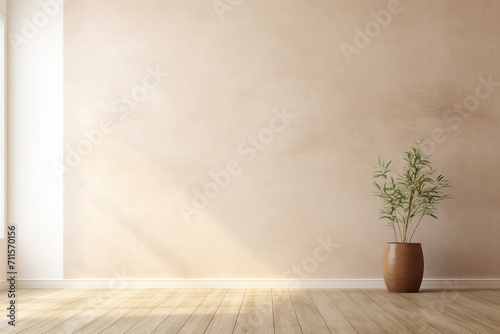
[3, 242]
[309, 177]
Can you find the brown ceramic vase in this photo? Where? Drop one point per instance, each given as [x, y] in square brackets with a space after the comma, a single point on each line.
[403, 266]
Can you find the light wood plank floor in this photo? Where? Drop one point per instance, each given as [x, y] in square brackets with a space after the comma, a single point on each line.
[259, 311]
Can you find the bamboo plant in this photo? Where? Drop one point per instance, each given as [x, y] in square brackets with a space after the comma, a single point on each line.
[410, 196]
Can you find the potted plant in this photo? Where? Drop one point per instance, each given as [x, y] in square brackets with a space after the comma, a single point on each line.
[408, 197]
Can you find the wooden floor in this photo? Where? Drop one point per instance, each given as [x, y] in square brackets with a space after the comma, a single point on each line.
[253, 311]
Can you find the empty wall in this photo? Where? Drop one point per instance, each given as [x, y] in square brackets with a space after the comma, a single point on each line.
[236, 139]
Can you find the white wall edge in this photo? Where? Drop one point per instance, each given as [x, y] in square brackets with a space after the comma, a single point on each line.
[310, 284]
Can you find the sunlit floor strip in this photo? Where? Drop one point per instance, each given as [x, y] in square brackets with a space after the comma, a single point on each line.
[252, 311]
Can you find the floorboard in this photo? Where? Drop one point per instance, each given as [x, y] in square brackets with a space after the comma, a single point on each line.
[100, 304]
[399, 313]
[256, 313]
[377, 313]
[174, 322]
[310, 319]
[285, 318]
[360, 321]
[201, 318]
[334, 318]
[107, 319]
[432, 313]
[259, 311]
[224, 319]
[150, 322]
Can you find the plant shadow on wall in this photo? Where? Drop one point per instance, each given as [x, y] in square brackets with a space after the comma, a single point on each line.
[414, 194]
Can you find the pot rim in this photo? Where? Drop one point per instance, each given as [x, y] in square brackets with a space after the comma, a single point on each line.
[402, 243]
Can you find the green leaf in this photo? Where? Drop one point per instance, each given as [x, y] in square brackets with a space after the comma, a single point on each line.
[416, 190]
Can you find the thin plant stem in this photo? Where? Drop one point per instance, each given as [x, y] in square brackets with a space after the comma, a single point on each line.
[399, 226]
[408, 216]
[399, 229]
[415, 189]
[415, 229]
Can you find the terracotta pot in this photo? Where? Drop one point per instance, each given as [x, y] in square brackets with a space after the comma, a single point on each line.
[403, 266]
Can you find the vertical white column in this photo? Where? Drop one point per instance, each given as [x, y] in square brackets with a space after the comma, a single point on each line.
[35, 135]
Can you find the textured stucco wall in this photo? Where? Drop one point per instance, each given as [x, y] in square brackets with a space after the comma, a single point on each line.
[287, 104]
[3, 241]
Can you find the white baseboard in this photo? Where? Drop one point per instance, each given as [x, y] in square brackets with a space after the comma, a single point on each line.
[242, 283]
